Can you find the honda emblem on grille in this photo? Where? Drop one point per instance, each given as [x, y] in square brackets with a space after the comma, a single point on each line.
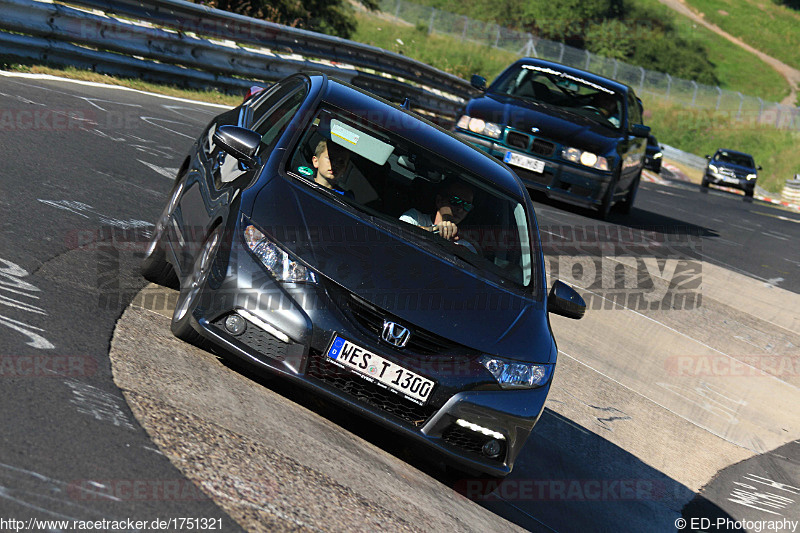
[395, 334]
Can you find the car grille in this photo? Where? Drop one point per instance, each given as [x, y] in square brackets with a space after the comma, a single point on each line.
[344, 380]
[421, 342]
[518, 140]
[542, 147]
[471, 441]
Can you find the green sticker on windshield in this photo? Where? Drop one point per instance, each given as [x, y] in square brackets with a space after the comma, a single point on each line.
[305, 171]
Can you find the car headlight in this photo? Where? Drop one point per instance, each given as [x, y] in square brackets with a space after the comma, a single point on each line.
[480, 126]
[751, 177]
[278, 262]
[587, 159]
[713, 169]
[516, 375]
[657, 155]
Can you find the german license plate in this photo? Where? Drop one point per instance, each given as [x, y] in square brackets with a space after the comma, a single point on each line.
[376, 369]
[524, 161]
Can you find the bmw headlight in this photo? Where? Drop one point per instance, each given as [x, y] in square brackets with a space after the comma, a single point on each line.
[516, 375]
[751, 177]
[480, 126]
[278, 262]
[587, 159]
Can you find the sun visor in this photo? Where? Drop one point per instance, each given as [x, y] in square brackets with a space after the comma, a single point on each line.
[361, 143]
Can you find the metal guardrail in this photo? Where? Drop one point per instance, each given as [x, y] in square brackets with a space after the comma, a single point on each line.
[174, 40]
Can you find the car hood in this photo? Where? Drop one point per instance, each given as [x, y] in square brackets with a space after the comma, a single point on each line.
[552, 123]
[418, 285]
[737, 169]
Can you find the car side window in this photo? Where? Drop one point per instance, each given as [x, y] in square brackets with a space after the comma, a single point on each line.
[634, 111]
[273, 120]
[270, 99]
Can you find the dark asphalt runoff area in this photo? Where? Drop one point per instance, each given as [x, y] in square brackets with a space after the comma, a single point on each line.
[86, 170]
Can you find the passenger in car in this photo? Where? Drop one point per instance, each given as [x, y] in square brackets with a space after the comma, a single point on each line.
[330, 164]
[453, 203]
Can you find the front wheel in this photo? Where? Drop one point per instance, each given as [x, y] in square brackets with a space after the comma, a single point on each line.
[626, 204]
[155, 266]
[608, 200]
[190, 290]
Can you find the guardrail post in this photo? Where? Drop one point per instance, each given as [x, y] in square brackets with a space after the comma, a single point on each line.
[760, 109]
[466, 24]
[616, 67]
[694, 93]
[397, 9]
[430, 22]
[641, 82]
[561, 55]
[588, 58]
[669, 85]
[497, 38]
[719, 98]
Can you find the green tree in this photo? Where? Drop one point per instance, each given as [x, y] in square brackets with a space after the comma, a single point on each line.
[332, 17]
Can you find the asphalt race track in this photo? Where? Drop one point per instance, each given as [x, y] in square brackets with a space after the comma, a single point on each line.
[674, 399]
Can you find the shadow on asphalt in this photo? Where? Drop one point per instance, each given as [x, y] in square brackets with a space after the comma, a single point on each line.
[566, 478]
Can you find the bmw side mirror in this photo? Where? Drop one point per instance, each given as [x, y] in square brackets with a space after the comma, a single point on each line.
[758, 167]
[640, 130]
[241, 143]
[479, 82]
[565, 301]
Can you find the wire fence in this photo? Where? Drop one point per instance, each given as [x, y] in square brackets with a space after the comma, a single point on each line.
[650, 85]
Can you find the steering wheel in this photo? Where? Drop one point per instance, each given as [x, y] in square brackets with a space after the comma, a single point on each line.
[592, 108]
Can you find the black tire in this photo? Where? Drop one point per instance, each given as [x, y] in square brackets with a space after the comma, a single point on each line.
[749, 192]
[192, 287]
[608, 200]
[155, 267]
[704, 183]
[626, 204]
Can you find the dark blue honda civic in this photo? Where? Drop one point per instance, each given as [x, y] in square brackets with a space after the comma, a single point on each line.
[362, 252]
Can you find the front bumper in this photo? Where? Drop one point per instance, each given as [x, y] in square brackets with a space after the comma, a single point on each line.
[728, 181]
[291, 327]
[560, 180]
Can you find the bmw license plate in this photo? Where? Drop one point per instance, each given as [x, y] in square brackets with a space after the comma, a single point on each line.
[383, 372]
[519, 160]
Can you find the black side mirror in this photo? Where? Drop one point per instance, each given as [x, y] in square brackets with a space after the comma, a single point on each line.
[241, 143]
[759, 167]
[479, 82]
[640, 130]
[708, 156]
[565, 301]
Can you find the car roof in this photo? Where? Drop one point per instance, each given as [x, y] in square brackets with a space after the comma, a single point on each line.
[594, 78]
[408, 124]
[733, 152]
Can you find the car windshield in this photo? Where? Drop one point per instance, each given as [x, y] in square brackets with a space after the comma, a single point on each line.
[387, 177]
[743, 160]
[547, 85]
